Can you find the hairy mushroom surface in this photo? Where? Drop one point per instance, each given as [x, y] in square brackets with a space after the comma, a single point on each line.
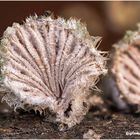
[125, 67]
[51, 63]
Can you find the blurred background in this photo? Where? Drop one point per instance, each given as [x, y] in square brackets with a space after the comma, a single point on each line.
[107, 19]
[110, 20]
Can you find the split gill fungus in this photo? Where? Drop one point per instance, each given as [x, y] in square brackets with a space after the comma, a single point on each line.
[125, 68]
[51, 64]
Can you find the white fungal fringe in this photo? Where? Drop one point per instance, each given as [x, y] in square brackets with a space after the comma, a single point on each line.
[51, 63]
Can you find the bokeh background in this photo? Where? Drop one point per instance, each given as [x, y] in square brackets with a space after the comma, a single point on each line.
[110, 20]
[107, 19]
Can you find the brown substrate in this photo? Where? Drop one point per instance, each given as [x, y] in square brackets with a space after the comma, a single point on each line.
[29, 125]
